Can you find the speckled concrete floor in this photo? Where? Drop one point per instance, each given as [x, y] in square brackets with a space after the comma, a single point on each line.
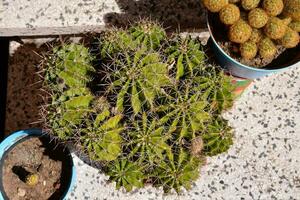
[263, 163]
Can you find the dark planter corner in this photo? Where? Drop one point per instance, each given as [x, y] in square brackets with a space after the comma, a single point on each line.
[4, 52]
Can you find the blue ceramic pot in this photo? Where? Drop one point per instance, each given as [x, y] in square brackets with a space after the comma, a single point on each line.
[20, 136]
[240, 70]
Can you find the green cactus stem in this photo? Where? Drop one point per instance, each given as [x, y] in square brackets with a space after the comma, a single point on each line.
[215, 5]
[239, 32]
[290, 39]
[267, 48]
[292, 9]
[275, 28]
[257, 18]
[248, 50]
[250, 4]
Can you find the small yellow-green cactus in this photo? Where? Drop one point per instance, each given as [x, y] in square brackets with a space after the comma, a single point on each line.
[267, 48]
[295, 25]
[290, 39]
[240, 32]
[229, 14]
[275, 28]
[292, 9]
[273, 7]
[257, 18]
[248, 50]
[32, 179]
[256, 35]
[215, 5]
[250, 4]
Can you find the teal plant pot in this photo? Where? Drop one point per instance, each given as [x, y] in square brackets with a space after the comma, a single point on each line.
[289, 59]
[15, 138]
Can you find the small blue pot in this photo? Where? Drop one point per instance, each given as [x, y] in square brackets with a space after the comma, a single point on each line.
[20, 136]
[238, 69]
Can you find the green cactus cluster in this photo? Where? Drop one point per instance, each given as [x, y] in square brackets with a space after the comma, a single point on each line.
[249, 21]
[155, 113]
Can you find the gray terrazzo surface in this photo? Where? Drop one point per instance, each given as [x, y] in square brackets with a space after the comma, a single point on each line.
[263, 163]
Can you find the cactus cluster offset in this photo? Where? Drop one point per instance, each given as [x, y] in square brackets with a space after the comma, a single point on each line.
[250, 20]
[153, 116]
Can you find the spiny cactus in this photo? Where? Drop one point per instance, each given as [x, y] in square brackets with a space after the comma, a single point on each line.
[239, 32]
[218, 137]
[267, 48]
[215, 5]
[257, 18]
[250, 4]
[186, 55]
[295, 25]
[114, 41]
[216, 87]
[290, 39]
[275, 28]
[273, 7]
[147, 140]
[256, 35]
[148, 33]
[229, 14]
[70, 66]
[187, 112]
[158, 101]
[292, 9]
[126, 174]
[101, 137]
[248, 50]
[140, 74]
[32, 179]
[176, 172]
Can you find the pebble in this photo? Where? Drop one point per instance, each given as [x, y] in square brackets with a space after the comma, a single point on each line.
[21, 192]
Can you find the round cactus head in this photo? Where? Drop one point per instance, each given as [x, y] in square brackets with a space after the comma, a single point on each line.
[295, 25]
[256, 35]
[230, 14]
[258, 18]
[240, 32]
[267, 48]
[292, 9]
[290, 39]
[248, 50]
[215, 5]
[250, 4]
[273, 7]
[275, 28]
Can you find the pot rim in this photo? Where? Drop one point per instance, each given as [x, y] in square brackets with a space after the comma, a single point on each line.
[235, 61]
[18, 136]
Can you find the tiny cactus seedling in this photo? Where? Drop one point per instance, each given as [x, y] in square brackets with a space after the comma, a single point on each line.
[273, 7]
[267, 48]
[248, 50]
[256, 35]
[275, 28]
[186, 54]
[229, 14]
[290, 39]
[292, 9]
[257, 18]
[215, 5]
[240, 32]
[250, 4]
[32, 179]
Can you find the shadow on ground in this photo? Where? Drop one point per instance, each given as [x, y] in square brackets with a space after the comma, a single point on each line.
[183, 15]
